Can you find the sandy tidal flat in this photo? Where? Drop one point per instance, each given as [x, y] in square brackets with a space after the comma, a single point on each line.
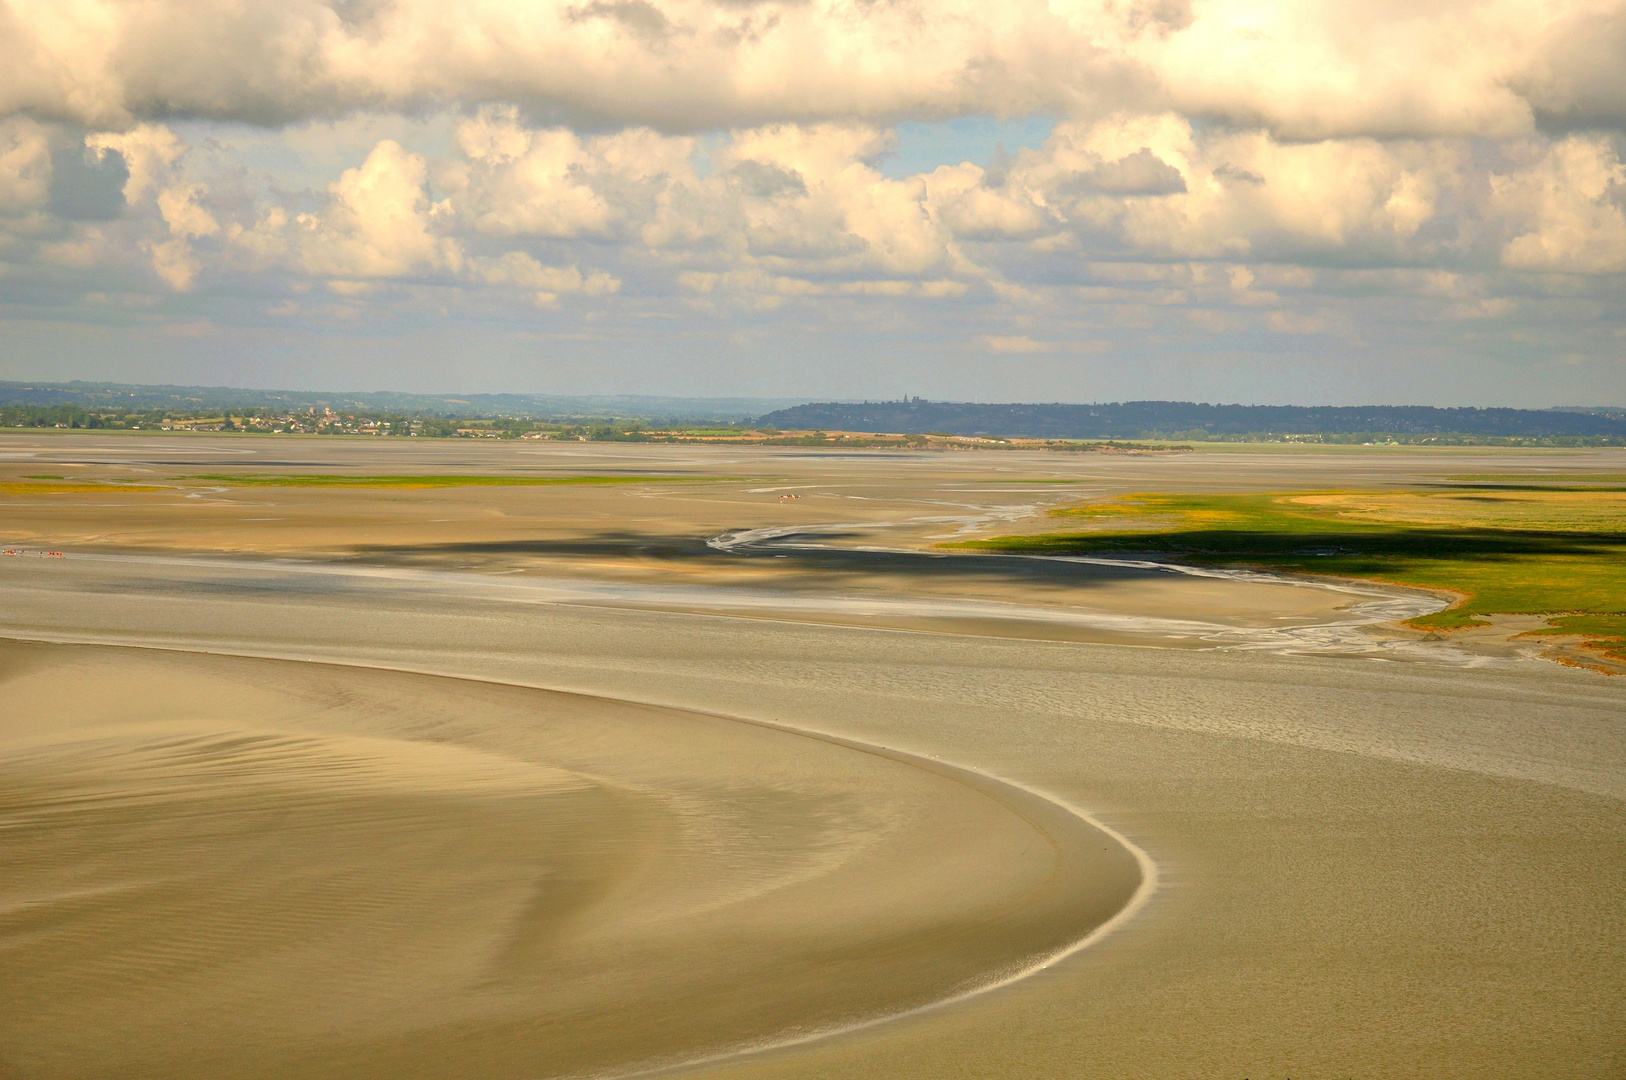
[268, 825]
[241, 868]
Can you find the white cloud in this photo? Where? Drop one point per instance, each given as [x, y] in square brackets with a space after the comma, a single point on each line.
[811, 194]
[25, 165]
[1009, 344]
[175, 262]
[518, 181]
[973, 209]
[1306, 70]
[807, 203]
[377, 222]
[178, 206]
[1569, 210]
[1155, 185]
[150, 152]
[1216, 167]
[545, 282]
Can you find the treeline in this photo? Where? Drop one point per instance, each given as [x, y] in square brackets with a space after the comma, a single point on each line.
[1193, 420]
[310, 421]
[61, 416]
[116, 419]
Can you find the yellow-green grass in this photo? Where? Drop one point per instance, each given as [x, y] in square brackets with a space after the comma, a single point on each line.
[436, 481]
[1558, 553]
[1607, 633]
[45, 486]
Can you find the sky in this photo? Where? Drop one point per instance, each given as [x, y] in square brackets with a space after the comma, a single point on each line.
[1311, 202]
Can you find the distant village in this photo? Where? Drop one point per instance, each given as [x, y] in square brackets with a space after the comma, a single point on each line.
[801, 426]
[326, 421]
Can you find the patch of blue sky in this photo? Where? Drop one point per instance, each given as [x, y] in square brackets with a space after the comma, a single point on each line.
[706, 146]
[313, 154]
[922, 146]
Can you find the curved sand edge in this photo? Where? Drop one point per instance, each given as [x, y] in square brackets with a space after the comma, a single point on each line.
[1147, 888]
[1080, 901]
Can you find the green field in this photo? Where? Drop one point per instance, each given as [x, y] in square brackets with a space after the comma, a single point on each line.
[1556, 550]
[419, 482]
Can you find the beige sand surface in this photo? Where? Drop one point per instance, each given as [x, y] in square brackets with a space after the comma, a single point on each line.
[1366, 868]
[239, 868]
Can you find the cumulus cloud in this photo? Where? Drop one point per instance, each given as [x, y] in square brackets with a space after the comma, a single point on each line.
[150, 156]
[517, 181]
[812, 194]
[25, 165]
[1012, 343]
[783, 196]
[1568, 210]
[1139, 173]
[808, 203]
[1304, 71]
[1152, 184]
[378, 223]
[175, 262]
[1250, 166]
[546, 283]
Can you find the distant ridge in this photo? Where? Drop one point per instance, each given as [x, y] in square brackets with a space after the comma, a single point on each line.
[1188, 420]
[909, 416]
[1616, 412]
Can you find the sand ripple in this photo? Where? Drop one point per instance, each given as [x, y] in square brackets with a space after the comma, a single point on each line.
[247, 868]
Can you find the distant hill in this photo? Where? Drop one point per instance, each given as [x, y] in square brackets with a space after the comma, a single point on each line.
[1615, 412]
[533, 406]
[1187, 420]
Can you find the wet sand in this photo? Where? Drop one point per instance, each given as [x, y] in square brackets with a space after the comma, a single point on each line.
[1364, 867]
[857, 545]
[239, 868]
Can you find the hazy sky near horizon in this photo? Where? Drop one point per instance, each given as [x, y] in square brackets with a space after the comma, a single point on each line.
[1325, 201]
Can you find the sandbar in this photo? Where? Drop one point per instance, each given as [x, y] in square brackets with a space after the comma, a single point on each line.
[239, 868]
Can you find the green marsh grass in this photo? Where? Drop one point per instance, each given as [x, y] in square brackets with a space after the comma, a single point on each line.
[1552, 551]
